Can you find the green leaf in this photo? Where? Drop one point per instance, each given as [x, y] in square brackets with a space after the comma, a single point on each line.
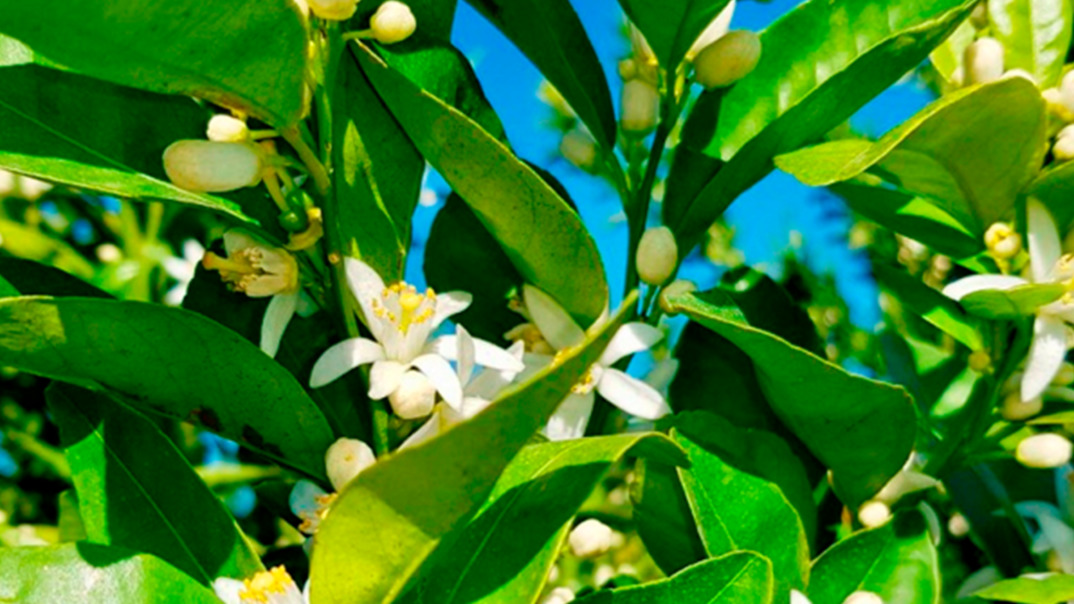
[1035, 35]
[820, 64]
[503, 555]
[247, 54]
[897, 561]
[94, 574]
[1063, 417]
[1047, 590]
[930, 305]
[172, 362]
[736, 578]
[948, 57]
[971, 152]
[30, 278]
[736, 505]
[403, 506]
[671, 28]
[32, 244]
[7, 290]
[551, 35]
[1013, 303]
[1055, 187]
[70, 518]
[137, 490]
[507, 196]
[766, 305]
[663, 519]
[863, 430]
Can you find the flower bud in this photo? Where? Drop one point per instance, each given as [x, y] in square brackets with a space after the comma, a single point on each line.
[863, 597]
[958, 526]
[1064, 98]
[393, 22]
[559, 595]
[579, 148]
[590, 539]
[714, 31]
[874, 513]
[1003, 242]
[979, 16]
[980, 361]
[658, 255]
[628, 69]
[640, 107]
[333, 10]
[1016, 410]
[211, 167]
[227, 129]
[1063, 149]
[1043, 451]
[728, 59]
[415, 396]
[345, 459]
[984, 61]
[676, 288]
[798, 597]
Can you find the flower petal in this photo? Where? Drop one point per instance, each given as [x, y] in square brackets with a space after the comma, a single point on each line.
[278, 314]
[1046, 355]
[465, 361]
[1043, 240]
[366, 285]
[630, 339]
[975, 283]
[449, 304]
[429, 430]
[342, 357]
[228, 590]
[238, 239]
[570, 419]
[303, 499]
[551, 319]
[486, 354]
[632, 395]
[384, 378]
[442, 376]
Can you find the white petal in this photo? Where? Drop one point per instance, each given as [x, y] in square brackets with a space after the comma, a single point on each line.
[630, 339]
[486, 354]
[465, 361]
[449, 304]
[228, 590]
[366, 285]
[632, 395]
[237, 239]
[440, 373]
[798, 597]
[554, 323]
[384, 378]
[427, 431]
[278, 314]
[1046, 355]
[975, 283]
[303, 499]
[570, 419]
[1043, 240]
[488, 384]
[342, 357]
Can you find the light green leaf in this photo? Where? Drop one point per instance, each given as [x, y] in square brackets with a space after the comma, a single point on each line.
[1014, 303]
[948, 57]
[1035, 35]
[70, 518]
[507, 196]
[1049, 590]
[94, 574]
[1061, 418]
[736, 578]
[671, 28]
[246, 54]
[137, 490]
[172, 362]
[930, 305]
[820, 64]
[1055, 187]
[863, 430]
[897, 561]
[971, 152]
[387, 521]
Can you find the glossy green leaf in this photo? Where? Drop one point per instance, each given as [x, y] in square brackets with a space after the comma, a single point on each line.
[972, 152]
[172, 362]
[404, 506]
[1013, 303]
[504, 553]
[507, 196]
[863, 430]
[671, 28]
[897, 561]
[930, 305]
[30, 278]
[1046, 590]
[137, 490]
[247, 54]
[820, 64]
[1055, 187]
[551, 35]
[766, 305]
[94, 574]
[663, 519]
[736, 507]
[1035, 35]
[736, 578]
[948, 57]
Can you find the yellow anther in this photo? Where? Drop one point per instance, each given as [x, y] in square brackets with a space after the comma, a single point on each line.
[410, 301]
[585, 385]
[266, 583]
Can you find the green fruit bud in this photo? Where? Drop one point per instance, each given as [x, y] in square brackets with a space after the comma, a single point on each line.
[393, 22]
[293, 221]
[728, 59]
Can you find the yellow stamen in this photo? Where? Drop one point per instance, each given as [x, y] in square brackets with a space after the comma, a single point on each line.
[266, 583]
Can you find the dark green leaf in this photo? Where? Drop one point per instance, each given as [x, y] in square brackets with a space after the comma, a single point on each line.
[1047, 590]
[32, 244]
[671, 28]
[33, 279]
[766, 305]
[931, 305]
[736, 578]
[1013, 303]
[663, 519]
[1035, 35]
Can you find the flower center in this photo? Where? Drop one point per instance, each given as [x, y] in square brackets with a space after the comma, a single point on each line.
[587, 383]
[265, 585]
[311, 522]
[403, 306]
[244, 268]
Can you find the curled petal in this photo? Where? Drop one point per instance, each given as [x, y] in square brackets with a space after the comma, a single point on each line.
[278, 314]
[342, 357]
[551, 319]
[465, 346]
[975, 283]
[630, 339]
[384, 378]
[442, 376]
[632, 395]
[1046, 355]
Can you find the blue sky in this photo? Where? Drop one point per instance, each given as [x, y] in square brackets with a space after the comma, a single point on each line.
[763, 218]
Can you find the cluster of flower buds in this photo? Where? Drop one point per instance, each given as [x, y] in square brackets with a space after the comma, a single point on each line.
[1063, 149]
[1061, 99]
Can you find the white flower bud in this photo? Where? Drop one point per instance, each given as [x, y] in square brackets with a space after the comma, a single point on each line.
[640, 107]
[227, 129]
[1043, 451]
[33, 189]
[579, 148]
[590, 539]
[677, 287]
[728, 59]
[415, 396]
[658, 255]
[1064, 98]
[958, 526]
[211, 167]
[798, 597]
[863, 597]
[1015, 410]
[874, 513]
[345, 459]
[984, 61]
[393, 22]
[333, 10]
[1003, 241]
[1063, 149]
[714, 31]
[628, 69]
[559, 595]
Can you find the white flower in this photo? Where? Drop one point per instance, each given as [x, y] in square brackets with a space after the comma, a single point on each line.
[1049, 346]
[393, 22]
[266, 587]
[182, 270]
[259, 271]
[1053, 533]
[863, 597]
[590, 539]
[629, 394]
[984, 61]
[346, 459]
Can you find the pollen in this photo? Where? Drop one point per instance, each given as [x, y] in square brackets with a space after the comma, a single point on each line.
[586, 384]
[266, 584]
